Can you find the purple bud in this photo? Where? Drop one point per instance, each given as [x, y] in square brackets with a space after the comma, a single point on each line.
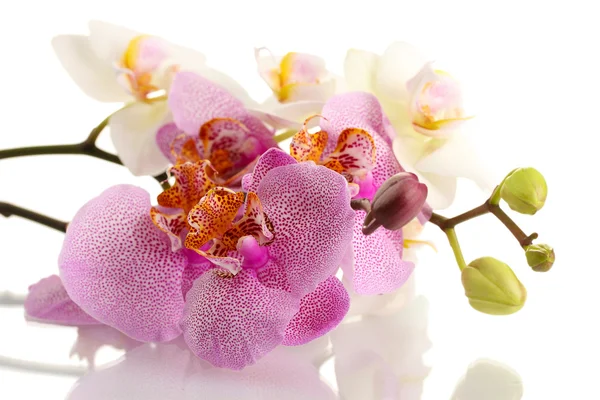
[397, 202]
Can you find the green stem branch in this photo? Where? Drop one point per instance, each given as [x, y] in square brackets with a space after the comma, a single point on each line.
[453, 240]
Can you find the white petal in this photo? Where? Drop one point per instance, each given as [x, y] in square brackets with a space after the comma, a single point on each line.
[185, 57]
[109, 41]
[95, 78]
[268, 67]
[459, 158]
[491, 380]
[441, 189]
[287, 116]
[312, 92]
[359, 68]
[133, 132]
[399, 63]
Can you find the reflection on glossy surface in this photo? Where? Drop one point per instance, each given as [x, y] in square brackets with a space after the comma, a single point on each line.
[376, 357]
[171, 371]
[381, 356]
[489, 380]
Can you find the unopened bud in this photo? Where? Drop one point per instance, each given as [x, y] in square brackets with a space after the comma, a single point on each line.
[492, 287]
[397, 202]
[525, 190]
[540, 257]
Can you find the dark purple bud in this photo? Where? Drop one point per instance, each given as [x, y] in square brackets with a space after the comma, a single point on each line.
[397, 202]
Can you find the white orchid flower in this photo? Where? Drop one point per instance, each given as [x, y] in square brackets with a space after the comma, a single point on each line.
[116, 64]
[424, 106]
[301, 84]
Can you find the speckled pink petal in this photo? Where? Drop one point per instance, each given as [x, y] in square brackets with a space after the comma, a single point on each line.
[193, 272]
[234, 321]
[361, 110]
[119, 268]
[272, 158]
[48, 301]
[165, 137]
[320, 311]
[378, 265]
[195, 100]
[309, 207]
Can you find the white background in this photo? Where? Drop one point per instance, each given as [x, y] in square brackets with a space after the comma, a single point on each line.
[530, 73]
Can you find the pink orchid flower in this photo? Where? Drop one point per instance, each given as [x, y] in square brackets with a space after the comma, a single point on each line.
[211, 124]
[118, 267]
[355, 141]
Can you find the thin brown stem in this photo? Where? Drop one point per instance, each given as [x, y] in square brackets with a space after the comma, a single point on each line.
[9, 210]
[523, 239]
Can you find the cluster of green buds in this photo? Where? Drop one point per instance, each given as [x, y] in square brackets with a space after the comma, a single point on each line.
[490, 285]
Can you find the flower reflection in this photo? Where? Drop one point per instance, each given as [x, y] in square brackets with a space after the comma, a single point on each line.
[376, 357]
[381, 356]
[171, 371]
[490, 380]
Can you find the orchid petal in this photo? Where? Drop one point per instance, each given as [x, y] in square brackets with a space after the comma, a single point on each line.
[288, 115]
[378, 265]
[302, 68]
[119, 268]
[313, 92]
[234, 321]
[309, 207]
[320, 311]
[399, 63]
[268, 67]
[133, 133]
[271, 159]
[194, 100]
[165, 137]
[191, 184]
[171, 224]
[94, 77]
[49, 302]
[212, 216]
[109, 41]
[359, 69]
[458, 157]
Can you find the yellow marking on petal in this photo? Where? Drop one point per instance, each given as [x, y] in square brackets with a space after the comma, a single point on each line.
[212, 216]
[408, 243]
[132, 52]
[286, 68]
[188, 150]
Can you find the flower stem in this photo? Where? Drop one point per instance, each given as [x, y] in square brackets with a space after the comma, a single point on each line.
[453, 240]
[9, 210]
[87, 147]
[523, 239]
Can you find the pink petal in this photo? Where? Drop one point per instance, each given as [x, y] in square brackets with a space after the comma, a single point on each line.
[193, 272]
[233, 321]
[272, 158]
[309, 207]
[165, 136]
[119, 268]
[195, 100]
[378, 265]
[361, 110]
[320, 311]
[48, 301]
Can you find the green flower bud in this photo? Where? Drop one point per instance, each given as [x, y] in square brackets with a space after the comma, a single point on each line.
[540, 257]
[492, 287]
[525, 190]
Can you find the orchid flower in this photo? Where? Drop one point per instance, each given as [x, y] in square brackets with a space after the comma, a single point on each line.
[115, 64]
[242, 287]
[353, 141]
[425, 108]
[211, 123]
[300, 84]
